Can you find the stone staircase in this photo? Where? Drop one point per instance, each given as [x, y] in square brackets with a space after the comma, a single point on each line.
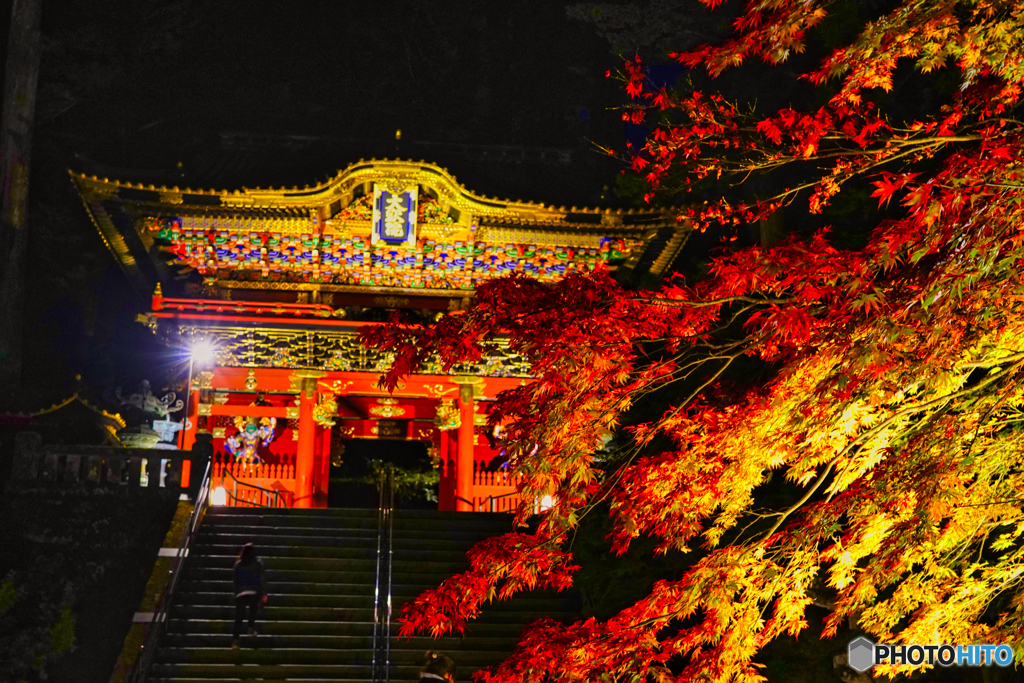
[318, 622]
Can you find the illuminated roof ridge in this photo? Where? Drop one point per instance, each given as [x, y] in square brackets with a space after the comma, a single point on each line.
[330, 236]
[324, 189]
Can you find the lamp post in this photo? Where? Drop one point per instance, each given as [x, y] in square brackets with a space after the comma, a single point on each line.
[201, 351]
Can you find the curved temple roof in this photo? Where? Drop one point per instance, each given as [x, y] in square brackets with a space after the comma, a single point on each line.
[378, 226]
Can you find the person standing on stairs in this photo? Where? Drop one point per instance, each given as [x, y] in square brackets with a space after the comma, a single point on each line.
[250, 589]
[437, 667]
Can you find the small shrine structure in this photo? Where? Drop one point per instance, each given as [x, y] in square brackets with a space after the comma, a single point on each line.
[278, 282]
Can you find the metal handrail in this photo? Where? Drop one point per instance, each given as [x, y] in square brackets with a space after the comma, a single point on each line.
[494, 498]
[155, 630]
[234, 493]
[391, 555]
[381, 667]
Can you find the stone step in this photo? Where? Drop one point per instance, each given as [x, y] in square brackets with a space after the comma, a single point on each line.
[364, 576]
[316, 564]
[318, 628]
[226, 587]
[341, 642]
[301, 534]
[360, 600]
[321, 572]
[342, 614]
[490, 523]
[192, 679]
[260, 536]
[364, 598]
[400, 550]
[199, 673]
[253, 651]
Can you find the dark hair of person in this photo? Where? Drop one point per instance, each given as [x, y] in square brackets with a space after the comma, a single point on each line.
[248, 554]
[436, 663]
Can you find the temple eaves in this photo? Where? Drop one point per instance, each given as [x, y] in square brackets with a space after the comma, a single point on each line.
[380, 227]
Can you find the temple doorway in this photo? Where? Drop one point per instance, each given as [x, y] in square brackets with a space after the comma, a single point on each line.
[353, 463]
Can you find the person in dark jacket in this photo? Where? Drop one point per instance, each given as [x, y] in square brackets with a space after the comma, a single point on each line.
[437, 667]
[250, 589]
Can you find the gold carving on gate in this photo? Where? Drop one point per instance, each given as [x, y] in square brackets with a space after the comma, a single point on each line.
[340, 350]
[388, 428]
[448, 416]
[304, 380]
[389, 408]
[325, 410]
[390, 301]
[438, 390]
[337, 386]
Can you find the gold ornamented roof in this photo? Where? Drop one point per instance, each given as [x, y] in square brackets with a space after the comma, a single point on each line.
[377, 226]
[113, 417]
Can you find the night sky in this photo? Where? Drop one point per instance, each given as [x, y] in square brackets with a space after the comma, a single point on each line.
[511, 97]
[132, 88]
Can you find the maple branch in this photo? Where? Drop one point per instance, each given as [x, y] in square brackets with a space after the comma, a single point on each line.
[997, 502]
[611, 483]
[693, 394]
[789, 194]
[679, 303]
[870, 432]
[984, 418]
[1014, 356]
[800, 503]
[692, 367]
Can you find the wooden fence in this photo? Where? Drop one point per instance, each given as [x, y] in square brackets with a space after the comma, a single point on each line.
[247, 485]
[117, 468]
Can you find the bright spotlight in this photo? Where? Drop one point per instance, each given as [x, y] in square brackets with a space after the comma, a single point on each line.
[219, 496]
[202, 352]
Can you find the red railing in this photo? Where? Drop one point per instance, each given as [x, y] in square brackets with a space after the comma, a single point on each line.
[241, 470]
[221, 306]
[494, 491]
[254, 485]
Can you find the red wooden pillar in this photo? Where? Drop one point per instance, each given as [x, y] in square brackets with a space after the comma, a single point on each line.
[323, 471]
[446, 485]
[192, 421]
[306, 450]
[464, 458]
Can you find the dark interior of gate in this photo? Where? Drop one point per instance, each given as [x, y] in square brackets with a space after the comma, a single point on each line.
[355, 468]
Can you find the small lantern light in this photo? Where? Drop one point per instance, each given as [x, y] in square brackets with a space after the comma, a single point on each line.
[219, 496]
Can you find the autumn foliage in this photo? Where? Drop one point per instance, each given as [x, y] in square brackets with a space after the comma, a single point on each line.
[896, 398]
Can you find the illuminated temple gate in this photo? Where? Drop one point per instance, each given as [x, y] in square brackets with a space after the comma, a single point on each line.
[279, 282]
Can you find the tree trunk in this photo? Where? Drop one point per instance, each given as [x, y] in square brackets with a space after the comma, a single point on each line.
[19, 104]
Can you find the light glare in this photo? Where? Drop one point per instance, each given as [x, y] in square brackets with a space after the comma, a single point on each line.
[202, 352]
[219, 496]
